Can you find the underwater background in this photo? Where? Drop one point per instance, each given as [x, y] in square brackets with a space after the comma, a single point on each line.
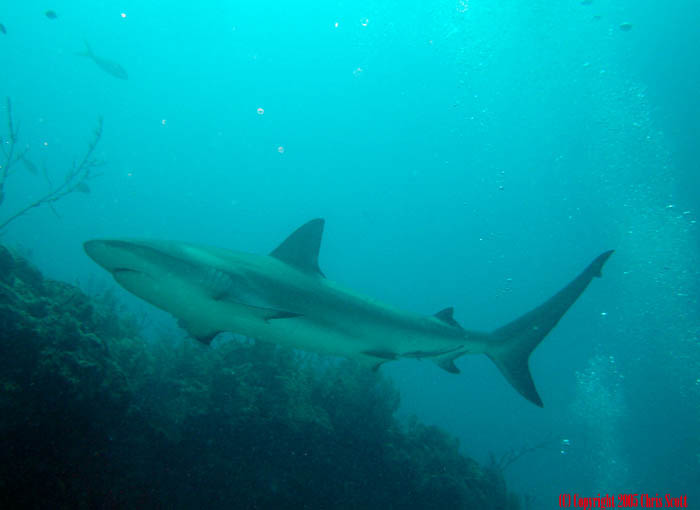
[463, 153]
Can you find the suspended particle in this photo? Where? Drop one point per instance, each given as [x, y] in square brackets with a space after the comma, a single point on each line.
[280, 149]
[260, 111]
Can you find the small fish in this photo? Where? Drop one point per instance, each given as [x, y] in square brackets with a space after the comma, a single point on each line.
[626, 26]
[83, 187]
[3, 29]
[108, 66]
[30, 166]
[51, 14]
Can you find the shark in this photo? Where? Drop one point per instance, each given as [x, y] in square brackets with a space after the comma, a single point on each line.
[284, 298]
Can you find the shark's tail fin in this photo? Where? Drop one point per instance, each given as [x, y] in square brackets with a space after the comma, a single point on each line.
[511, 345]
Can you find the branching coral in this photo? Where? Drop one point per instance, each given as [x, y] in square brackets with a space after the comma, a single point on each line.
[76, 179]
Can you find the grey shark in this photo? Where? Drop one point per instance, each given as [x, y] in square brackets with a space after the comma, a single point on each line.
[284, 298]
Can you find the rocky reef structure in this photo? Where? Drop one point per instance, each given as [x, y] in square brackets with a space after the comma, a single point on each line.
[93, 416]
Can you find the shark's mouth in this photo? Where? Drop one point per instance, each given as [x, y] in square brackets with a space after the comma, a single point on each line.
[124, 274]
[135, 281]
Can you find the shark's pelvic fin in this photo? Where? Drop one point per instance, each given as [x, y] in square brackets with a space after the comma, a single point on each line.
[204, 336]
[301, 248]
[511, 345]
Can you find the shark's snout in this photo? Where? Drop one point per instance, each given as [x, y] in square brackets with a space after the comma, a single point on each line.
[96, 250]
[109, 254]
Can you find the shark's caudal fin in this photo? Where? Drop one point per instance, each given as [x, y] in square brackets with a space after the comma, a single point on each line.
[512, 344]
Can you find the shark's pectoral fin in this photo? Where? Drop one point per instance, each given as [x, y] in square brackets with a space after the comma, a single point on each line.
[200, 334]
[301, 248]
[222, 287]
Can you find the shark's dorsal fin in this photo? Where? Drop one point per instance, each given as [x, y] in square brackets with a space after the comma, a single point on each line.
[301, 248]
[446, 317]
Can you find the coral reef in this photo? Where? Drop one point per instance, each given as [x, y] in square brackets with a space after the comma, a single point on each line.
[93, 416]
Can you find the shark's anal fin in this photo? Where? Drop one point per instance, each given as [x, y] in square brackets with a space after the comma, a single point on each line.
[301, 248]
[510, 346]
[201, 335]
[448, 363]
[446, 316]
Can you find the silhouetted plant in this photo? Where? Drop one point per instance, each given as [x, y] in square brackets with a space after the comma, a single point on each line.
[76, 179]
[505, 460]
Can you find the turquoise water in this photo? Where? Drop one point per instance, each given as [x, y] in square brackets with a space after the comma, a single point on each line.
[463, 153]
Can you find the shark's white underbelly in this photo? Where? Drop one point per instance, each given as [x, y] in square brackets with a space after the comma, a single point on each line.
[349, 336]
[356, 329]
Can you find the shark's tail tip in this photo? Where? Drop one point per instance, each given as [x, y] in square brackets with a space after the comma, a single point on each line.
[597, 264]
